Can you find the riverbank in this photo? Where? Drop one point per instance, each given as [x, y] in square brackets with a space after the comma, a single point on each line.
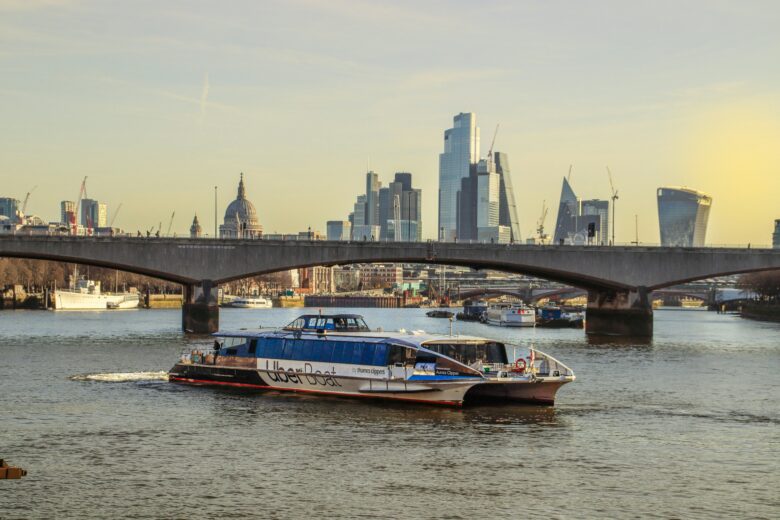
[761, 311]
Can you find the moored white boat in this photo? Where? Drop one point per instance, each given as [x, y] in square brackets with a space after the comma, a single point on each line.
[338, 355]
[505, 314]
[86, 295]
[252, 302]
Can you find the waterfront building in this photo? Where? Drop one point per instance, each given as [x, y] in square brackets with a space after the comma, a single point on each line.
[461, 151]
[682, 216]
[241, 217]
[776, 235]
[338, 230]
[596, 212]
[9, 207]
[67, 212]
[379, 276]
[316, 280]
[195, 229]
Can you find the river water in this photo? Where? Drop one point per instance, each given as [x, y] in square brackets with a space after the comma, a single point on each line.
[687, 426]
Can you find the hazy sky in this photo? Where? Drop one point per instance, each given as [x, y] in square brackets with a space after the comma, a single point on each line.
[158, 102]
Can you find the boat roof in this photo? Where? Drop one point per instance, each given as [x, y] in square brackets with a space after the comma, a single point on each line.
[412, 338]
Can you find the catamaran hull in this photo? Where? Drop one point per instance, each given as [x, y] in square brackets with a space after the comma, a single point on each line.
[454, 393]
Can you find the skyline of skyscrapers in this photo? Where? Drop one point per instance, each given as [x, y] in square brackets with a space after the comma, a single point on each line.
[682, 216]
[9, 207]
[338, 230]
[392, 213]
[481, 188]
[581, 222]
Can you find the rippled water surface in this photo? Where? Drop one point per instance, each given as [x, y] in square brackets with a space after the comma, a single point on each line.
[686, 426]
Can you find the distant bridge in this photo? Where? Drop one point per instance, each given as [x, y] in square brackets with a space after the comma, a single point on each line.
[618, 279]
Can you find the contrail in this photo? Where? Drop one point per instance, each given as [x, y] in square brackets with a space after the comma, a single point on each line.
[204, 97]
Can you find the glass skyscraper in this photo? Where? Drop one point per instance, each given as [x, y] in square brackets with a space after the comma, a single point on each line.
[461, 150]
[682, 216]
[776, 235]
[566, 226]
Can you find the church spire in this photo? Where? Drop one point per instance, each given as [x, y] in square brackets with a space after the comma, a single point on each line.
[241, 189]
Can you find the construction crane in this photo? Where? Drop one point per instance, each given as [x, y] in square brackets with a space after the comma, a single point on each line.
[170, 223]
[82, 194]
[26, 199]
[614, 198]
[492, 144]
[111, 224]
[540, 223]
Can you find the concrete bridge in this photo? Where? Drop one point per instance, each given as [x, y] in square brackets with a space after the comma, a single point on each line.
[618, 279]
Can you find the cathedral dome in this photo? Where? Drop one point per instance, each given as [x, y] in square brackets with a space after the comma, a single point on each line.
[241, 208]
[241, 217]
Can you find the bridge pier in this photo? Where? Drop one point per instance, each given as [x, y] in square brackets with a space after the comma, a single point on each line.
[619, 313]
[199, 310]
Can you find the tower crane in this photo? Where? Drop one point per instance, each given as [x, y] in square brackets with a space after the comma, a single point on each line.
[540, 223]
[170, 223]
[111, 224]
[82, 194]
[614, 198]
[27, 198]
[493, 143]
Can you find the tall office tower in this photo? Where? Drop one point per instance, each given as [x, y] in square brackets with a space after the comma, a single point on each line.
[567, 224]
[461, 151]
[400, 210]
[361, 230]
[596, 211]
[94, 214]
[508, 209]
[487, 200]
[9, 208]
[682, 216]
[339, 230]
[776, 235]
[67, 212]
[372, 199]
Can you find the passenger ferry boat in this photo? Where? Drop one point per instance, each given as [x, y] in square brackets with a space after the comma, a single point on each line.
[252, 302]
[338, 355]
[505, 314]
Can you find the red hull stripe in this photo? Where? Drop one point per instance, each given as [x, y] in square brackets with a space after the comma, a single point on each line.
[307, 391]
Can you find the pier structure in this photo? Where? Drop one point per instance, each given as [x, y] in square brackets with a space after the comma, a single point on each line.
[618, 280]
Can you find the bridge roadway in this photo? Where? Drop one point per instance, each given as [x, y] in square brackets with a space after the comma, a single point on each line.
[618, 279]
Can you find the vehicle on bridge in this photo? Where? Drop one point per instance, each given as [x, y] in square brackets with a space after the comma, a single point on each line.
[339, 355]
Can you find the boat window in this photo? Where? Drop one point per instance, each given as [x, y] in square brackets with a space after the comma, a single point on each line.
[356, 353]
[340, 352]
[470, 353]
[401, 356]
[253, 347]
[296, 324]
[380, 355]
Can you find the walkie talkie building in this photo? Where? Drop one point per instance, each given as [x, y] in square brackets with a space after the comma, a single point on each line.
[682, 216]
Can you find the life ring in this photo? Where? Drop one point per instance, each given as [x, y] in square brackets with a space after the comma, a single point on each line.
[520, 365]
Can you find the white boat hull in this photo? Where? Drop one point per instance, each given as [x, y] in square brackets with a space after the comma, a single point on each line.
[71, 300]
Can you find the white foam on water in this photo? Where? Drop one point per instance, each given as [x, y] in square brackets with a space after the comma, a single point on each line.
[122, 377]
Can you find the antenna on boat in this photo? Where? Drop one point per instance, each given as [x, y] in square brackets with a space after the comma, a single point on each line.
[451, 320]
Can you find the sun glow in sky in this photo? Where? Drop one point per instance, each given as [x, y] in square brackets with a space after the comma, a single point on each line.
[158, 102]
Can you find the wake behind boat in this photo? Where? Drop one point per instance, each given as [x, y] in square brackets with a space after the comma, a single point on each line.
[339, 355]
